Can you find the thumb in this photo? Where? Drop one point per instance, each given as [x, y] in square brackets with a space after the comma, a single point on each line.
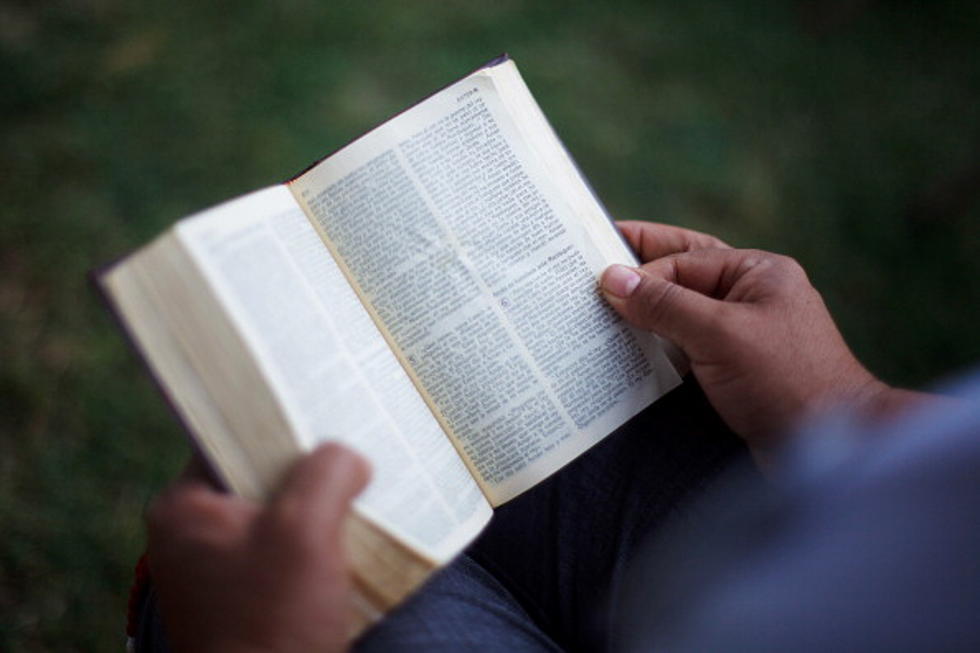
[647, 300]
[319, 489]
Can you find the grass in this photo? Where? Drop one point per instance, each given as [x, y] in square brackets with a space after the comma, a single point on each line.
[842, 133]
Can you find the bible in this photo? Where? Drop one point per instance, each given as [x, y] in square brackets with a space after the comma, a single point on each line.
[426, 295]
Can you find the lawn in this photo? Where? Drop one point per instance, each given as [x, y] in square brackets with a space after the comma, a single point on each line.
[842, 133]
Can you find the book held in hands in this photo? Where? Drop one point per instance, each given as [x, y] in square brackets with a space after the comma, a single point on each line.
[426, 295]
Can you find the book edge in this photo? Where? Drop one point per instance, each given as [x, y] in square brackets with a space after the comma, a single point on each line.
[96, 279]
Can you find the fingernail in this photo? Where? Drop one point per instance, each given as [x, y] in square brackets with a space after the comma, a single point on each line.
[620, 280]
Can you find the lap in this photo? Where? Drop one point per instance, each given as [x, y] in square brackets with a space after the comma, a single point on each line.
[461, 608]
[562, 549]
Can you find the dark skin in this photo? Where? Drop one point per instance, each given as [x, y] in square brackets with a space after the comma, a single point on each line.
[234, 575]
[760, 339]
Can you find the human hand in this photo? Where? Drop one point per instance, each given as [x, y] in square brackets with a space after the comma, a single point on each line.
[760, 339]
[234, 576]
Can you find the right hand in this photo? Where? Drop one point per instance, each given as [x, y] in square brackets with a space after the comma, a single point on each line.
[760, 339]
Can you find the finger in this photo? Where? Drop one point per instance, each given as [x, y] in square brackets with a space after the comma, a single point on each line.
[651, 240]
[197, 498]
[192, 509]
[651, 301]
[717, 272]
[317, 492]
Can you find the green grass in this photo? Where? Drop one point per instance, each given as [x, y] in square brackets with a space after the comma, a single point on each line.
[844, 134]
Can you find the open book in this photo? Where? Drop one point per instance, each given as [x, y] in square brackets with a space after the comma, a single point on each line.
[426, 295]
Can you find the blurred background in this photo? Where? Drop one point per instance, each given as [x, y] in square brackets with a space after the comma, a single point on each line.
[844, 133]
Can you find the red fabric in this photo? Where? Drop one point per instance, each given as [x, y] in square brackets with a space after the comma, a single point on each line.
[141, 582]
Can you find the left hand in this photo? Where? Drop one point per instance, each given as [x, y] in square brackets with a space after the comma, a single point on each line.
[233, 575]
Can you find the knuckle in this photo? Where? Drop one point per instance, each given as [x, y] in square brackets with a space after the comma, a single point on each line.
[751, 262]
[789, 268]
[759, 257]
[790, 278]
[776, 273]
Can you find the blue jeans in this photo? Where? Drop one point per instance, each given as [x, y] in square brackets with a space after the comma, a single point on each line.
[545, 574]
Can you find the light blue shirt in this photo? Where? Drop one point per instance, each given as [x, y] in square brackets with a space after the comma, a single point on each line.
[869, 540]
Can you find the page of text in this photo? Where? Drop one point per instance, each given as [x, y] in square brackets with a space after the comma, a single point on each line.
[470, 258]
[335, 373]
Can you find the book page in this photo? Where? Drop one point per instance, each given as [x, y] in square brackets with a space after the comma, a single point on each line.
[335, 375]
[484, 279]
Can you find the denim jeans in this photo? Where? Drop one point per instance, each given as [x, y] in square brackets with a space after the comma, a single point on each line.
[545, 573]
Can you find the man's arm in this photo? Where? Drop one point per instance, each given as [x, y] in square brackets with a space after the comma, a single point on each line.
[760, 339]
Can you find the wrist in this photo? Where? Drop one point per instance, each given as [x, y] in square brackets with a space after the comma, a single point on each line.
[890, 401]
[878, 400]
